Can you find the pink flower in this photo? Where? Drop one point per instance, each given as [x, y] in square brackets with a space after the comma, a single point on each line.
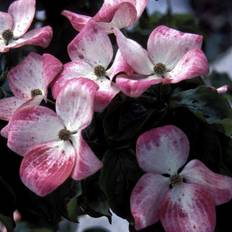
[183, 199]
[91, 53]
[29, 81]
[171, 57]
[113, 13]
[15, 23]
[51, 143]
[223, 89]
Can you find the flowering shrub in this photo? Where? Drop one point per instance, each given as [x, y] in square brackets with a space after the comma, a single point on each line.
[118, 128]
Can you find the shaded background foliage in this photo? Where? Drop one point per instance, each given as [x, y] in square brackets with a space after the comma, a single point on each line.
[197, 109]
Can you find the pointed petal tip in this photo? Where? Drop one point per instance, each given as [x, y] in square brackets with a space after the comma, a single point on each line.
[78, 21]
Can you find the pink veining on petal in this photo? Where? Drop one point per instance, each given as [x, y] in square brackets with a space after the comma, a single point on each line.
[6, 22]
[89, 45]
[117, 13]
[162, 150]
[78, 69]
[108, 9]
[78, 21]
[124, 16]
[86, 163]
[27, 76]
[4, 131]
[8, 106]
[188, 208]
[146, 198]
[32, 102]
[134, 54]
[27, 128]
[135, 85]
[22, 12]
[106, 92]
[75, 103]
[168, 46]
[47, 166]
[58, 85]
[219, 186]
[51, 68]
[38, 37]
[194, 63]
[71, 70]
[119, 66]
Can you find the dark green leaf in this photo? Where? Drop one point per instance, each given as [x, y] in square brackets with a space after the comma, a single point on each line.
[7, 200]
[72, 206]
[7, 205]
[207, 105]
[217, 79]
[118, 177]
[123, 121]
[25, 227]
[126, 117]
[94, 201]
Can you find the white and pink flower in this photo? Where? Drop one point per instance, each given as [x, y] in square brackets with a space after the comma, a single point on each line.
[51, 143]
[91, 53]
[28, 81]
[15, 24]
[113, 14]
[171, 56]
[182, 197]
[223, 89]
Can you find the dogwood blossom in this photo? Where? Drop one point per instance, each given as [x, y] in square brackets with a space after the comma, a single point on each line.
[28, 82]
[15, 24]
[51, 143]
[171, 56]
[183, 199]
[113, 13]
[91, 52]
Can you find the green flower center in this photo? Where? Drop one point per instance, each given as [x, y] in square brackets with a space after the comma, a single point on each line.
[7, 35]
[175, 180]
[36, 92]
[100, 71]
[160, 69]
[65, 134]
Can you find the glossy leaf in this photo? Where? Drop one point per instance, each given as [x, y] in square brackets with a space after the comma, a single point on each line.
[206, 104]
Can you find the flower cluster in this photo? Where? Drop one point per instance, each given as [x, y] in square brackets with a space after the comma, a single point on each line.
[183, 196]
